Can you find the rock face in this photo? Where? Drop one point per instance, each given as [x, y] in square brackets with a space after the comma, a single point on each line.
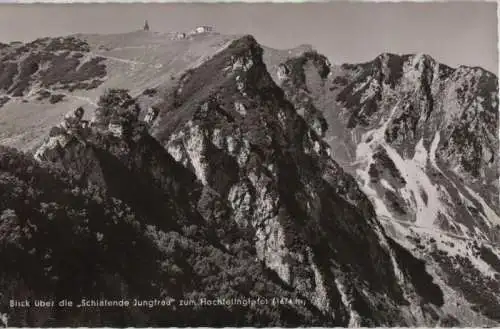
[278, 179]
[318, 184]
[418, 137]
[118, 217]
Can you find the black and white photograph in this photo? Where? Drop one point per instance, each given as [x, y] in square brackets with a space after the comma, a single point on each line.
[329, 164]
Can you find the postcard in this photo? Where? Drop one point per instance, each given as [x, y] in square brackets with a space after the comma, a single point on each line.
[329, 164]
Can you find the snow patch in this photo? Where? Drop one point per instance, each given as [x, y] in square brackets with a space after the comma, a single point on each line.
[378, 204]
[376, 137]
[416, 181]
[492, 217]
[361, 85]
[386, 185]
[420, 193]
[421, 155]
[457, 247]
[433, 149]
[371, 91]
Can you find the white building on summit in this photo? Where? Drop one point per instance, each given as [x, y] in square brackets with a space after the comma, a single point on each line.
[201, 29]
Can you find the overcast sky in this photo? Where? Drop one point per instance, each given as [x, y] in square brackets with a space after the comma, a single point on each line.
[453, 33]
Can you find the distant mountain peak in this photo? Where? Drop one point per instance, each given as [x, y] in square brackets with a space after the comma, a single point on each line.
[415, 57]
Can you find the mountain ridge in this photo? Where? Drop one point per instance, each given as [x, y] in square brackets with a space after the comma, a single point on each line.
[387, 164]
[421, 55]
